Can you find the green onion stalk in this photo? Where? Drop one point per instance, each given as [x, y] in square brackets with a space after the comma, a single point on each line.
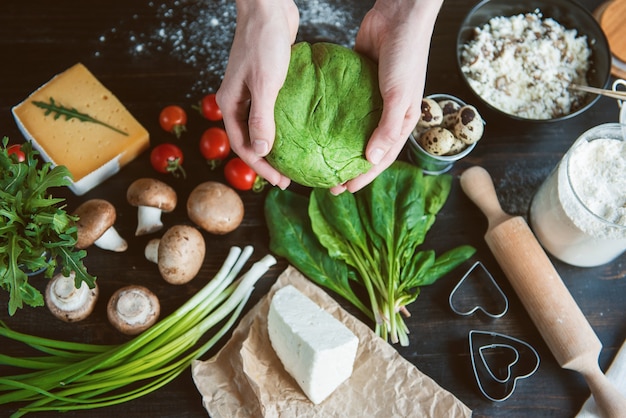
[74, 376]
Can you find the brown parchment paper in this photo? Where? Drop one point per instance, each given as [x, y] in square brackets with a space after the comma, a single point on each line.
[246, 378]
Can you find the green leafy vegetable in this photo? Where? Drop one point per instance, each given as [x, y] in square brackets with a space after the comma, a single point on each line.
[286, 213]
[368, 239]
[36, 232]
[71, 113]
[74, 376]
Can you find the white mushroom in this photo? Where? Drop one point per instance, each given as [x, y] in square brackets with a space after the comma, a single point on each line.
[95, 226]
[179, 253]
[151, 197]
[67, 302]
[133, 309]
[215, 207]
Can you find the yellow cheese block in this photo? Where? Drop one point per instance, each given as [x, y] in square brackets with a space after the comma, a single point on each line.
[91, 151]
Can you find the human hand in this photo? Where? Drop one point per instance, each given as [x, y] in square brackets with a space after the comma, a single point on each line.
[256, 70]
[397, 36]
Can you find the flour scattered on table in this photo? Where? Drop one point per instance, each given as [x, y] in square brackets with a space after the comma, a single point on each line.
[199, 33]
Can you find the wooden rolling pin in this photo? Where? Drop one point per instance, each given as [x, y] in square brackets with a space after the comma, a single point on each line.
[556, 315]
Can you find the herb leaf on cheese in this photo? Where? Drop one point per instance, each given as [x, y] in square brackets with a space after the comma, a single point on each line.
[36, 233]
[71, 113]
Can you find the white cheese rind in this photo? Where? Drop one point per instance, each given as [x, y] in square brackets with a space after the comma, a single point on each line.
[315, 348]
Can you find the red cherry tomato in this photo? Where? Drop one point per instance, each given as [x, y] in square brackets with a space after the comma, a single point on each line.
[214, 146]
[209, 108]
[167, 158]
[239, 175]
[173, 119]
[16, 149]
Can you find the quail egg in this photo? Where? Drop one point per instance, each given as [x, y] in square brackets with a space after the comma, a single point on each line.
[432, 114]
[469, 125]
[450, 109]
[437, 140]
[457, 147]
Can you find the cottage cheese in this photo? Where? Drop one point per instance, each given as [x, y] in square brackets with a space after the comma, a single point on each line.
[523, 65]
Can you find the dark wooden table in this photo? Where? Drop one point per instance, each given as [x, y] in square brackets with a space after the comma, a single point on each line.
[151, 55]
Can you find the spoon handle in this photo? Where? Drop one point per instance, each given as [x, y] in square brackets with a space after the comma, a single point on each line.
[620, 95]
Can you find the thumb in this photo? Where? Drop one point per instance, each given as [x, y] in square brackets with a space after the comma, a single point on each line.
[386, 135]
[261, 125]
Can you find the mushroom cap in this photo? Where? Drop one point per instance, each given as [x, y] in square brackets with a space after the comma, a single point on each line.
[181, 254]
[133, 309]
[68, 303]
[153, 193]
[215, 207]
[95, 217]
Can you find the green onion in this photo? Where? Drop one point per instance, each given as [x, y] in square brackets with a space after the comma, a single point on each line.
[72, 376]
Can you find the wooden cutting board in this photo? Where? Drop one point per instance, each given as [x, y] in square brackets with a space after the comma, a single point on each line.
[612, 18]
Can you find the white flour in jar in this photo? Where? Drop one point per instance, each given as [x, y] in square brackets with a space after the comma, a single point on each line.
[582, 236]
[598, 176]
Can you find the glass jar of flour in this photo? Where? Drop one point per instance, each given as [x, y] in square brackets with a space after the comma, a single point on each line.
[579, 212]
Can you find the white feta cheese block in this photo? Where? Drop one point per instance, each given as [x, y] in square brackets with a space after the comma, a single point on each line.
[314, 347]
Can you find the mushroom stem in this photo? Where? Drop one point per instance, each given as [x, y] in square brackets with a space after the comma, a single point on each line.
[112, 241]
[133, 309]
[152, 250]
[67, 302]
[148, 220]
[65, 295]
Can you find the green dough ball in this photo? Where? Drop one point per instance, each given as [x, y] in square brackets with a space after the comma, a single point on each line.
[325, 113]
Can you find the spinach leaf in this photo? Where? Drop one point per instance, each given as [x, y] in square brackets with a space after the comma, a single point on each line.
[291, 237]
[372, 236]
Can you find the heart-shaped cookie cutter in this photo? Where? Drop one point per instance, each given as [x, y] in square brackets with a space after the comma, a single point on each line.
[524, 360]
[510, 365]
[491, 297]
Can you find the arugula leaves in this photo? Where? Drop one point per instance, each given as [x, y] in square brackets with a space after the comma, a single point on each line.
[36, 233]
[370, 239]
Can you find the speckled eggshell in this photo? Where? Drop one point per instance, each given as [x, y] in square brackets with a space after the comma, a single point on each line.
[457, 147]
[449, 108]
[437, 141]
[431, 116]
[469, 125]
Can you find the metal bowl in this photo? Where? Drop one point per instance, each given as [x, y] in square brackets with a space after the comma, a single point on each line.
[570, 15]
[435, 164]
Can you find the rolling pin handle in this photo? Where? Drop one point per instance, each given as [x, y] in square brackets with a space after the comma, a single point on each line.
[478, 186]
[609, 400]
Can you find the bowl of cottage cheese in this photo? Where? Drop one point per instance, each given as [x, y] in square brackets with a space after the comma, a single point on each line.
[520, 58]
